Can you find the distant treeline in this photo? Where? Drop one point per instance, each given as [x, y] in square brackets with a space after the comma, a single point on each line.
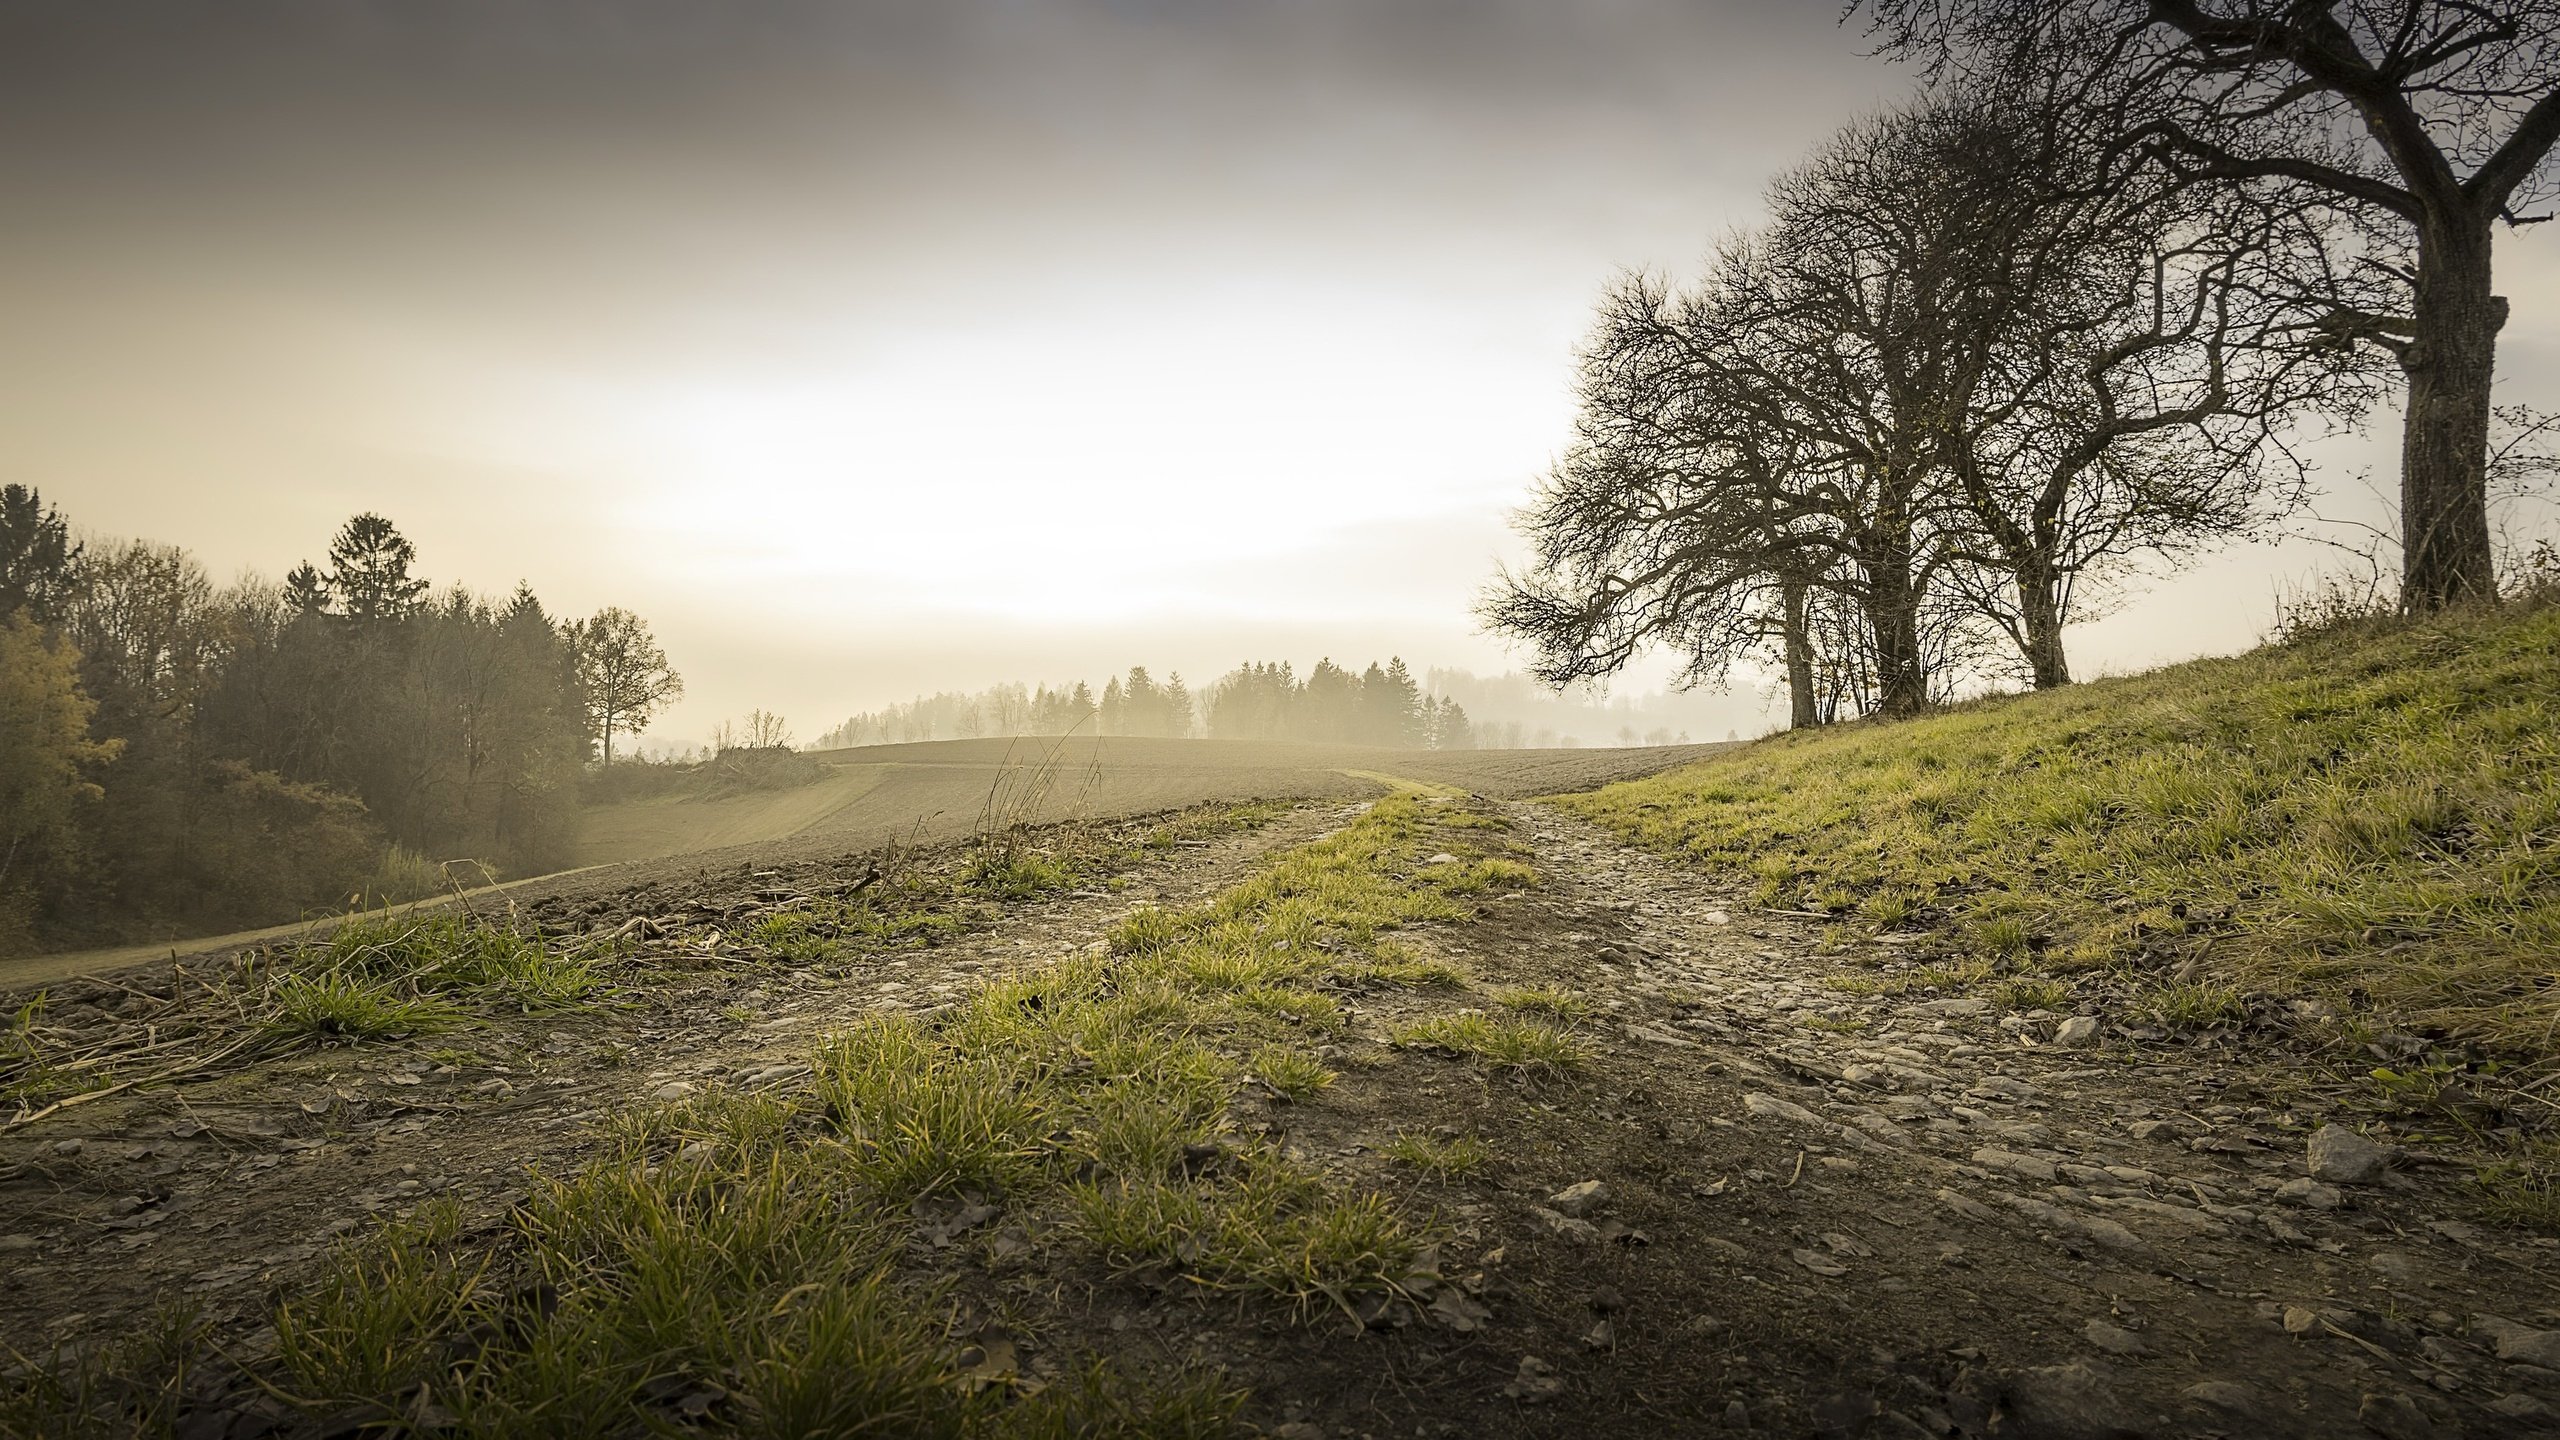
[180, 757]
[1382, 705]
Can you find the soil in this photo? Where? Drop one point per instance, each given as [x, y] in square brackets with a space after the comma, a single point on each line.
[1818, 1214]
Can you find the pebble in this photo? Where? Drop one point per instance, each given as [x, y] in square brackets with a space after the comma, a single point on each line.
[1771, 1107]
[2026, 1166]
[2520, 1344]
[2520, 1406]
[1535, 1381]
[1970, 1209]
[2341, 1156]
[2228, 1395]
[1579, 1200]
[2395, 1417]
[1563, 1226]
[2115, 1339]
[2310, 1194]
[1819, 1263]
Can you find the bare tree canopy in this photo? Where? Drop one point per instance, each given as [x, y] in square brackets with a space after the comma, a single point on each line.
[2414, 127]
[1972, 366]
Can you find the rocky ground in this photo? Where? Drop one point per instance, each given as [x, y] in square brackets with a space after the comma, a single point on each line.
[1766, 1206]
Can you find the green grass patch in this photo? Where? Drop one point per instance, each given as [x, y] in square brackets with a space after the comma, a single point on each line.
[1294, 1073]
[2029, 993]
[1501, 1044]
[2365, 813]
[2193, 1005]
[454, 956]
[1474, 877]
[339, 1005]
[2523, 1193]
[1451, 1159]
[1550, 1000]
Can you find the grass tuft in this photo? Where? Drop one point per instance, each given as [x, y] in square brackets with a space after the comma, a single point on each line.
[1549, 1000]
[1451, 1159]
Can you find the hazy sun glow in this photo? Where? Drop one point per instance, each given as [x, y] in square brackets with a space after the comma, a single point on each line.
[872, 350]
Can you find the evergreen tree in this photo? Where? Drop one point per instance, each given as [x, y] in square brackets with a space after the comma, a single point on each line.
[1331, 704]
[37, 556]
[369, 570]
[306, 591]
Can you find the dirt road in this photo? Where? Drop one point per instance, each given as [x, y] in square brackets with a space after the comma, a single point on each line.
[1816, 1213]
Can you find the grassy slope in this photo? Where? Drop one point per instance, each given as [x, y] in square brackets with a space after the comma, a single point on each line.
[2370, 816]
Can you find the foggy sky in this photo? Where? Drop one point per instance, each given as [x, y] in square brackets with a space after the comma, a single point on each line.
[871, 349]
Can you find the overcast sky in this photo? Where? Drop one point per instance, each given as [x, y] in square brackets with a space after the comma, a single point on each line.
[868, 348]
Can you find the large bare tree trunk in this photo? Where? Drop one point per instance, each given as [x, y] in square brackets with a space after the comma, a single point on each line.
[1802, 714]
[1893, 614]
[2040, 614]
[2444, 450]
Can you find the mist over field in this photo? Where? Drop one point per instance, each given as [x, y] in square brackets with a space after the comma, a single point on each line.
[1356, 718]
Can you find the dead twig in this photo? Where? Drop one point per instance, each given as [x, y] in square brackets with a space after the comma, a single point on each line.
[121, 1086]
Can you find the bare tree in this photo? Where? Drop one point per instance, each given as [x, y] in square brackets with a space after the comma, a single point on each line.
[2139, 366]
[1672, 520]
[767, 731]
[2419, 124]
[1969, 367]
[625, 674]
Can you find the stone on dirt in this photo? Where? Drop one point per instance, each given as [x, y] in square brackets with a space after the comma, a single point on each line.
[2077, 1031]
[2395, 1417]
[1580, 1199]
[1820, 1264]
[2025, 1166]
[2227, 1395]
[1535, 1381]
[1965, 1206]
[1771, 1107]
[2310, 1194]
[1563, 1226]
[2115, 1339]
[2070, 1402]
[2343, 1157]
[2520, 1344]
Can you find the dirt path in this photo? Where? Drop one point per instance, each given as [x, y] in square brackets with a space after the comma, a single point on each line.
[210, 1192]
[1816, 1213]
[1906, 1215]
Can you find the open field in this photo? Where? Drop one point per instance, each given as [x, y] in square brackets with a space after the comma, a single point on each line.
[939, 790]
